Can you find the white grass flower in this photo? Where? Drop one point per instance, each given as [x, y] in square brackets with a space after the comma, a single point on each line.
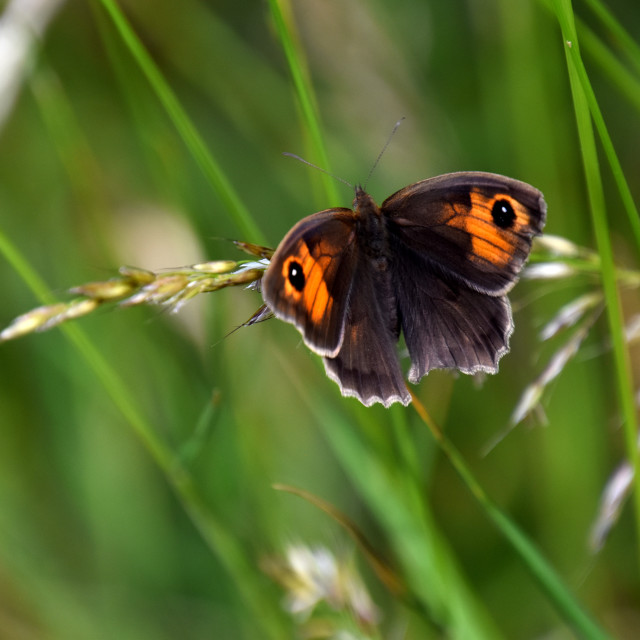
[548, 271]
[613, 497]
[571, 314]
[312, 576]
[561, 247]
[578, 315]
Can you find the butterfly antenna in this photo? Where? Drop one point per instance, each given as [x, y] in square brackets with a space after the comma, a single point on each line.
[315, 166]
[386, 144]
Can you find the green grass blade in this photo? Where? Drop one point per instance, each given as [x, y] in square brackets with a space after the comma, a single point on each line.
[573, 53]
[619, 34]
[217, 538]
[22, 267]
[585, 110]
[557, 593]
[619, 74]
[428, 564]
[68, 138]
[304, 92]
[192, 139]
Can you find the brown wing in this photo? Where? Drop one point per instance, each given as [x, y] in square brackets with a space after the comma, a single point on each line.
[446, 324]
[310, 277]
[324, 284]
[367, 366]
[475, 227]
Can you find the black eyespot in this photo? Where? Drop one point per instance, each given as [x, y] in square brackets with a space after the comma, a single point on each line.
[503, 214]
[296, 275]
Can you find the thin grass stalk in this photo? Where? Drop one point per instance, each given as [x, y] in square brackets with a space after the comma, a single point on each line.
[428, 565]
[620, 35]
[222, 544]
[409, 456]
[584, 100]
[192, 139]
[433, 579]
[569, 31]
[22, 267]
[74, 151]
[435, 586]
[627, 83]
[574, 58]
[304, 91]
[558, 594]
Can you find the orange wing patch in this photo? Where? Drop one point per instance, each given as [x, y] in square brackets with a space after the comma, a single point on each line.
[313, 295]
[490, 241]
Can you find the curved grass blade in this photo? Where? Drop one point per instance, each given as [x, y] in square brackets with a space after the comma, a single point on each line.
[552, 585]
[212, 170]
[221, 543]
[304, 91]
[587, 114]
[383, 570]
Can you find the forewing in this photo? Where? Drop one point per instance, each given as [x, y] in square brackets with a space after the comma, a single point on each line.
[473, 226]
[310, 276]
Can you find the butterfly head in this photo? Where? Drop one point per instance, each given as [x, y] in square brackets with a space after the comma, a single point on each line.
[364, 204]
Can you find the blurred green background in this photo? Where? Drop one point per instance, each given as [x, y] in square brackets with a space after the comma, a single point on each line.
[94, 175]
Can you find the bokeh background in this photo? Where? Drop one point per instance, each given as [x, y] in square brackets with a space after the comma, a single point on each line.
[94, 175]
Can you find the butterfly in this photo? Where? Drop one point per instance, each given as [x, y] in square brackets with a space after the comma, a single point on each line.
[433, 262]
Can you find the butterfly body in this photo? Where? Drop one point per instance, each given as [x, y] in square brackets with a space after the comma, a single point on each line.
[433, 262]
